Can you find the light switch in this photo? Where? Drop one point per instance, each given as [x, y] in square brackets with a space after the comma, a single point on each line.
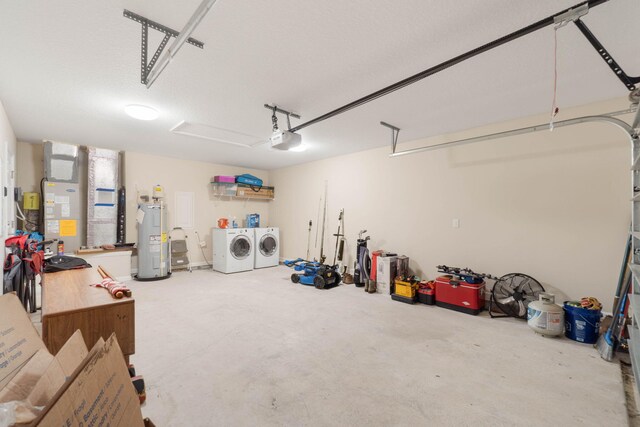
[455, 223]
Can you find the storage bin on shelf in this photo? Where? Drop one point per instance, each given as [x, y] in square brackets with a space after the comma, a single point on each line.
[224, 189]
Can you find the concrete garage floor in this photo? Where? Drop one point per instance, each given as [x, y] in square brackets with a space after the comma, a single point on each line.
[255, 349]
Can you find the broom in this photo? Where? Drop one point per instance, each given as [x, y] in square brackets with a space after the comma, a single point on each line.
[606, 344]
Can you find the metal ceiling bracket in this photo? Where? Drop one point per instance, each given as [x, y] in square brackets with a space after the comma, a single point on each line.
[143, 53]
[572, 14]
[145, 68]
[159, 50]
[629, 82]
[395, 131]
[275, 109]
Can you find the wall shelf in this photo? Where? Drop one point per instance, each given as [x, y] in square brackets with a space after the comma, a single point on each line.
[241, 191]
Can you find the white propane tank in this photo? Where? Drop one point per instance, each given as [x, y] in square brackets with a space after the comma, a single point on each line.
[545, 316]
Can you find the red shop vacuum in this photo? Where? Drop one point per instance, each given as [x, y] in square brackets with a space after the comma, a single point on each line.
[461, 289]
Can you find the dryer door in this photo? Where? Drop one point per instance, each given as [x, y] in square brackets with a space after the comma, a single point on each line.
[268, 245]
[240, 247]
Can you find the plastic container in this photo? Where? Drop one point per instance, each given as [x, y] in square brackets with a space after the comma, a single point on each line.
[223, 178]
[253, 220]
[459, 295]
[224, 189]
[581, 324]
[427, 293]
[406, 289]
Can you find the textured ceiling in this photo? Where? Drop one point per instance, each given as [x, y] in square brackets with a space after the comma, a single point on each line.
[67, 69]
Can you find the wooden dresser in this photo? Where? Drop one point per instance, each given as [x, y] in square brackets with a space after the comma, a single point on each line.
[70, 303]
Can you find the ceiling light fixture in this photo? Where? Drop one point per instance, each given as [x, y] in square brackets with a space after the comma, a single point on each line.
[141, 112]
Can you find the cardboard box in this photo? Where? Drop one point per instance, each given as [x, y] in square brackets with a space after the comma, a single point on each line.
[63, 365]
[263, 192]
[75, 387]
[19, 340]
[100, 393]
[25, 380]
[385, 273]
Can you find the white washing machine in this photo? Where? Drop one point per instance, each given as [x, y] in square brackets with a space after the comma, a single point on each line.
[267, 253]
[232, 249]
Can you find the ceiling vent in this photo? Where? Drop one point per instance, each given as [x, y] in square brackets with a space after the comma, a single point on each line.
[216, 134]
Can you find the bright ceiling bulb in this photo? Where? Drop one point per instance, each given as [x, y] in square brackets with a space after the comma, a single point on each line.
[141, 112]
[299, 148]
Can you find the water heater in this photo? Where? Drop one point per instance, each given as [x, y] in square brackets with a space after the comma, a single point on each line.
[153, 242]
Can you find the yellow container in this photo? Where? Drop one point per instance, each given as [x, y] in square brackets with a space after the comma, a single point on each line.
[406, 289]
[31, 201]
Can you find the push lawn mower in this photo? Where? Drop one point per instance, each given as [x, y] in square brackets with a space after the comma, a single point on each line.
[320, 275]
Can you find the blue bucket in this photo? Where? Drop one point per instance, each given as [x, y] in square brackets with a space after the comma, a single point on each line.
[581, 325]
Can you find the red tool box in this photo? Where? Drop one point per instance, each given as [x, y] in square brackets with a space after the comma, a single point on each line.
[456, 294]
[427, 292]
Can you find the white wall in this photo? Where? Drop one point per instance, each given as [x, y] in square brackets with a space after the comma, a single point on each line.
[142, 171]
[7, 174]
[554, 205]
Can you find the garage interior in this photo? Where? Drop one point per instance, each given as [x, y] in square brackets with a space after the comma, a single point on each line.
[320, 213]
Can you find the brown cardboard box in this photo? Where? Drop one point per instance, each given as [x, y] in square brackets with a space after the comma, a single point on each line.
[263, 192]
[101, 393]
[75, 387]
[42, 375]
[27, 377]
[70, 356]
[19, 340]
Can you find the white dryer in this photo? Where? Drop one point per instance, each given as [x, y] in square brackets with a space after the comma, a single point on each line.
[232, 249]
[267, 253]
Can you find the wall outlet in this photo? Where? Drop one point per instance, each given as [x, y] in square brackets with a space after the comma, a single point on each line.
[203, 244]
[455, 223]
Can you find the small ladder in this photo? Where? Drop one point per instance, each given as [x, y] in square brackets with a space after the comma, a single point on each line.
[179, 251]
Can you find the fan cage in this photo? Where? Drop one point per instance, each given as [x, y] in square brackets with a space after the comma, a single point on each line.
[516, 288]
